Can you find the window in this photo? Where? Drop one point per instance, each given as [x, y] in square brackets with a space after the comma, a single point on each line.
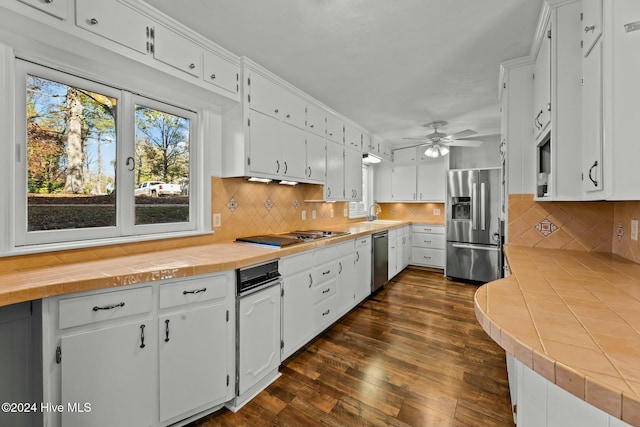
[359, 209]
[98, 162]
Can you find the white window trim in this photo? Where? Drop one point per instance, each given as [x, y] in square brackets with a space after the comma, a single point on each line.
[359, 209]
[15, 172]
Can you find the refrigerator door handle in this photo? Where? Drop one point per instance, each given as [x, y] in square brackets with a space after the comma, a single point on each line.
[483, 207]
[476, 247]
[474, 206]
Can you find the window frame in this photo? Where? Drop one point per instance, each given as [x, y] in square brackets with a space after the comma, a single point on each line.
[125, 228]
[359, 209]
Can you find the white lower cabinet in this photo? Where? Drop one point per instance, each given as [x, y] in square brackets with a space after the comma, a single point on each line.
[428, 245]
[363, 268]
[393, 267]
[297, 302]
[346, 286]
[148, 355]
[542, 403]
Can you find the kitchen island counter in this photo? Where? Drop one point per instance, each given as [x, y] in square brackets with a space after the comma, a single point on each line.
[574, 318]
[30, 282]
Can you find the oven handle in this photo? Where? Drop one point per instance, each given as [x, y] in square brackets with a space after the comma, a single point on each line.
[259, 288]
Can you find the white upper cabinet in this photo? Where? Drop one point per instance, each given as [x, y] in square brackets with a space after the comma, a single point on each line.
[591, 24]
[116, 22]
[405, 155]
[431, 180]
[334, 187]
[353, 174]
[57, 8]
[403, 183]
[175, 50]
[294, 152]
[542, 85]
[352, 136]
[293, 109]
[316, 157]
[264, 95]
[220, 72]
[316, 120]
[335, 129]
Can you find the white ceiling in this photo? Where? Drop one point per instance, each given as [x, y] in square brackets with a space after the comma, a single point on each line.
[389, 65]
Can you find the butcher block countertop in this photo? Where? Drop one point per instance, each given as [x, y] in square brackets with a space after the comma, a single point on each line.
[573, 317]
[33, 283]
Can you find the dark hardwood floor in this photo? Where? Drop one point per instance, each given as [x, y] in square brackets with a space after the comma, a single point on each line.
[412, 354]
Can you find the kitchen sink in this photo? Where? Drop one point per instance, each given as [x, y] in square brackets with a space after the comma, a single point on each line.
[317, 234]
[383, 221]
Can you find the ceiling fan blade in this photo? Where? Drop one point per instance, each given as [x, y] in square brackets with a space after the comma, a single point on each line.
[462, 134]
[493, 136]
[416, 139]
[414, 146]
[464, 143]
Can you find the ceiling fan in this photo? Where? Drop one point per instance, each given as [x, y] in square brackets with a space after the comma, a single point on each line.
[438, 143]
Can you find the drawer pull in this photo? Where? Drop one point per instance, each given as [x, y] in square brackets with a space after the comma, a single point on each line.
[166, 330]
[326, 312]
[142, 345]
[108, 307]
[427, 257]
[197, 291]
[340, 264]
[324, 273]
[310, 280]
[428, 241]
[326, 290]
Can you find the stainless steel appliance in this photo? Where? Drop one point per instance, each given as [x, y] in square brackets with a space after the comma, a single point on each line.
[473, 226]
[380, 264]
[257, 329]
[291, 238]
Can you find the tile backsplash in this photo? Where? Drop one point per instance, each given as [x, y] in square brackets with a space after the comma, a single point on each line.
[584, 226]
[416, 212]
[623, 244]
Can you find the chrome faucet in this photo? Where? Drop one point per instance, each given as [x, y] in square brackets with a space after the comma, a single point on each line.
[373, 211]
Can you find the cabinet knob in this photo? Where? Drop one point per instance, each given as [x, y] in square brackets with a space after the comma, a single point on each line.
[93, 21]
[48, 1]
[213, 76]
[288, 116]
[589, 28]
[276, 111]
[311, 126]
[192, 65]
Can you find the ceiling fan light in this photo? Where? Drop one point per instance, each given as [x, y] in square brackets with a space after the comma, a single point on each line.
[431, 151]
[443, 149]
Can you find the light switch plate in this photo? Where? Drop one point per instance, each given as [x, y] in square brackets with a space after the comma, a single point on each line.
[217, 221]
[634, 229]
[436, 212]
[331, 213]
[313, 214]
[304, 215]
[345, 212]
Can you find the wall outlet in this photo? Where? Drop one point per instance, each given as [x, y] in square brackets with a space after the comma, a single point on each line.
[217, 221]
[634, 229]
[313, 214]
[304, 215]
[436, 212]
[331, 213]
[345, 212]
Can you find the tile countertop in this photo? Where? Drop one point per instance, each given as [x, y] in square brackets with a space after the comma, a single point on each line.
[35, 283]
[574, 318]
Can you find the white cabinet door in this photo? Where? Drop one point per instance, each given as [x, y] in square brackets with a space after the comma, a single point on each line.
[363, 268]
[116, 22]
[264, 95]
[334, 187]
[335, 129]
[193, 359]
[392, 258]
[405, 155]
[431, 180]
[316, 157]
[352, 136]
[346, 292]
[56, 8]
[382, 173]
[293, 109]
[592, 118]
[294, 152]
[259, 336]
[220, 72]
[265, 134]
[542, 86]
[316, 120]
[352, 174]
[297, 312]
[403, 183]
[175, 50]
[112, 369]
[591, 23]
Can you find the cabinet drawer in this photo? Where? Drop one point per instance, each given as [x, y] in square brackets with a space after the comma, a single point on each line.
[104, 306]
[193, 290]
[324, 291]
[324, 255]
[325, 272]
[425, 228]
[220, 72]
[362, 242]
[344, 249]
[427, 257]
[426, 240]
[293, 264]
[325, 313]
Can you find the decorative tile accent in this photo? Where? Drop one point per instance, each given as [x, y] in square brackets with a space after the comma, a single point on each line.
[416, 211]
[546, 227]
[393, 211]
[619, 231]
[296, 204]
[232, 204]
[269, 204]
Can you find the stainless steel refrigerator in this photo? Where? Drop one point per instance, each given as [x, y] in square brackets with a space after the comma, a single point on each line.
[474, 226]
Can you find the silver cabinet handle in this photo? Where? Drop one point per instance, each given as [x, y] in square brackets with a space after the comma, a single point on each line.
[483, 206]
[324, 273]
[278, 166]
[108, 307]
[276, 111]
[93, 21]
[589, 28]
[48, 1]
[192, 65]
[340, 264]
[197, 291]
[310, 280]
[285, 167]
[326, 290]
[213, 76]
[474, 206]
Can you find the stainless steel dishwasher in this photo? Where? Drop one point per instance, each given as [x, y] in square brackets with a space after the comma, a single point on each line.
[380, 262]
